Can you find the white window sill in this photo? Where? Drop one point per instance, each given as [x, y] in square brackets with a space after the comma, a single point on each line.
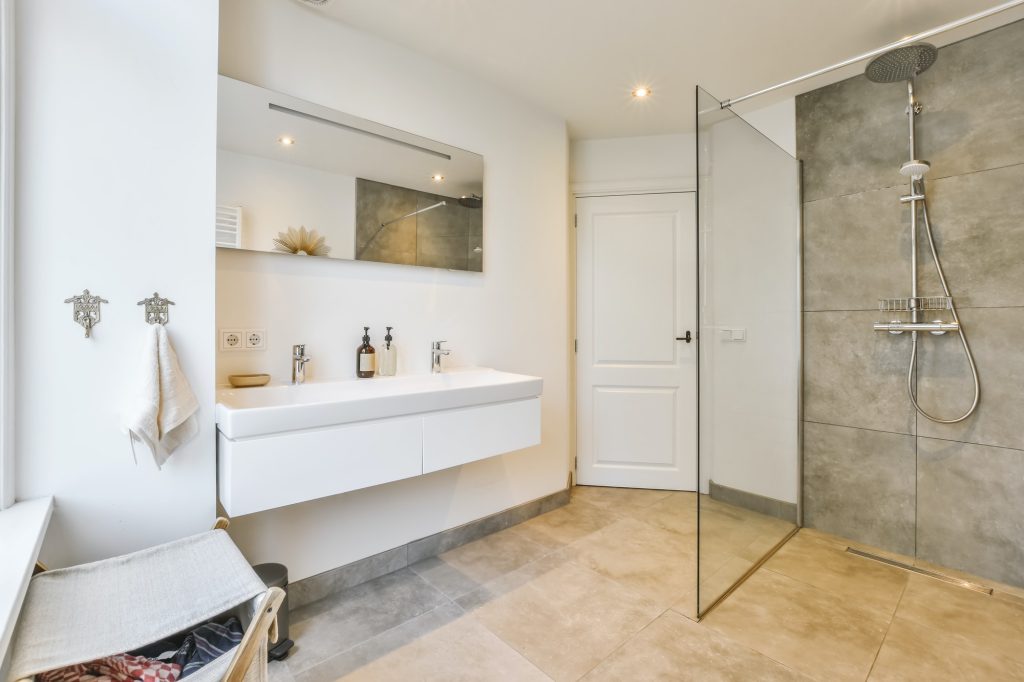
[22, 527]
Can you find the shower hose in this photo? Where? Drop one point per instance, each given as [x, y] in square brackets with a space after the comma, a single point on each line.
[960, 329]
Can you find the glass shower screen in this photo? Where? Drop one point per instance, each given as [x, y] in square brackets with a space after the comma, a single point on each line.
[748, 223]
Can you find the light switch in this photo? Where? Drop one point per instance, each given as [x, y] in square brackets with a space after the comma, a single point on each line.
[733, 334]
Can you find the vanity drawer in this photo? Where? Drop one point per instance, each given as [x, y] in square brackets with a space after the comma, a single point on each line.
[456, 437]
[265, 472]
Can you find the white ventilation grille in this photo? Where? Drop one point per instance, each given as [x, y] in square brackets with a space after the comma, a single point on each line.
[229, 226]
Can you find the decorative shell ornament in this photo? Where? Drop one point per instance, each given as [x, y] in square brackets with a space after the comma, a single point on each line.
[302, 242]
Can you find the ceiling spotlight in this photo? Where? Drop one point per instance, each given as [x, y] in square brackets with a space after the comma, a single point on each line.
[641, 91]
[286, 141]
[437, 177]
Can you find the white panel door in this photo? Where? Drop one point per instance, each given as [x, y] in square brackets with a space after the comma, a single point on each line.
[636, 375]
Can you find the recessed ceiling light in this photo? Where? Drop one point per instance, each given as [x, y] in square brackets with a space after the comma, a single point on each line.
[641, 91]
[286, 141]
[437, 177]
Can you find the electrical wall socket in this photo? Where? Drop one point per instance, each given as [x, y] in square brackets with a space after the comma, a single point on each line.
[232, 339]
[255, 339]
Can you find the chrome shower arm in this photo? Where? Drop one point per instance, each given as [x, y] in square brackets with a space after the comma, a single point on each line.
[361, 250]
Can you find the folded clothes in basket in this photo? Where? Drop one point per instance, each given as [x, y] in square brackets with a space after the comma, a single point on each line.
[206, 643]
[118, 668]
[161, 661]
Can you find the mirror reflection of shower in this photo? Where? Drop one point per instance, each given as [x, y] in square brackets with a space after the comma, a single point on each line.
[904, 64]
[380, 229]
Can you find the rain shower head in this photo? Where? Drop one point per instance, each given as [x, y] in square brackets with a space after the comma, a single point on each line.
[901, 64]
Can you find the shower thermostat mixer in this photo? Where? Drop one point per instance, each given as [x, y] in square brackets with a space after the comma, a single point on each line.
[904, 64]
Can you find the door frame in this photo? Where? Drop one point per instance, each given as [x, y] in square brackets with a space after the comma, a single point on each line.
[589, 190]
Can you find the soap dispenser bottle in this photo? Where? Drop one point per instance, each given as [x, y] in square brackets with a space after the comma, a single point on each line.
[388, 364]
[366, 357]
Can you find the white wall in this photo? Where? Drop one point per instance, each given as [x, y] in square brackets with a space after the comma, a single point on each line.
[116, 130]
[7, 371]
[275, 196]
[622, 162]
[605, 164]
[513, 316]
[777, 122]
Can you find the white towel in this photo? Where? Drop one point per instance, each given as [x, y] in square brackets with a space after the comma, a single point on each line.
[162, 413]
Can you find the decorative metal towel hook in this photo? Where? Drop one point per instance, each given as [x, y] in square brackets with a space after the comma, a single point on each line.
[156, 309]
[87, 310]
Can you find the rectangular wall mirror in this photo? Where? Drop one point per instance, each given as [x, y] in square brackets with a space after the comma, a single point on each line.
[295, 177]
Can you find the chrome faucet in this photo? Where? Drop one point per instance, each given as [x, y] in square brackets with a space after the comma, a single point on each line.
[299, 360]
[436, 351]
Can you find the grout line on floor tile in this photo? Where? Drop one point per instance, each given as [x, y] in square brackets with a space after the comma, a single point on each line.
[378, 635]
[624, 643]
[888, 627]
[516, 651]
[753, 649]
[449, 600]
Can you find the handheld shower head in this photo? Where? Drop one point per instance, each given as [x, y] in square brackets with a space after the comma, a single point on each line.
[915, 168]
[901, 64]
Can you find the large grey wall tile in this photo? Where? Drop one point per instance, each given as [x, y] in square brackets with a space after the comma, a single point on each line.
[973, 99]
[852, 139]
[378, 203]
[450, 220]
[475, 257]
[851, 136]
[945, 386]
[856, 250]
[860, 484]
[853, 375]
[969, 502]
[978, 223]
[442, 252]
[438, 237]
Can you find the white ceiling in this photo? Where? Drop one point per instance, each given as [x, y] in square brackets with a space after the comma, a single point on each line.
[580, 58]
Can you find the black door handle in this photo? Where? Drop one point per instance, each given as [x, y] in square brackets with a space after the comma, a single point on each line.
[686, 338]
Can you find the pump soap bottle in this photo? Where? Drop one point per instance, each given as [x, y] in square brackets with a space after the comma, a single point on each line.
[388, 364]
[366, 357]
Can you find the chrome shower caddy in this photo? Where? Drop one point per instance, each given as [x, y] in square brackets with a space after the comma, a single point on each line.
[913, 306]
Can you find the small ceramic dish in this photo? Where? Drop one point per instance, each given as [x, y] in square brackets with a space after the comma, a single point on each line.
[248, 380]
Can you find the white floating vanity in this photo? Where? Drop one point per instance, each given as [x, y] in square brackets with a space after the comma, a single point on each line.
[279, 445]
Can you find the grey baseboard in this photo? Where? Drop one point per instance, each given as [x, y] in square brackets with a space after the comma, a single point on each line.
[313, 588]
[768, 506]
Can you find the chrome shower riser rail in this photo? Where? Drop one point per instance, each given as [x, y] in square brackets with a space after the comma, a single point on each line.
[917, 198]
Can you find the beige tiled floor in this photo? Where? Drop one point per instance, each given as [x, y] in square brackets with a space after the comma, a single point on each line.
[603, 589]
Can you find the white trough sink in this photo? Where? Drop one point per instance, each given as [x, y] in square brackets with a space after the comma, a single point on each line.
[246, 412]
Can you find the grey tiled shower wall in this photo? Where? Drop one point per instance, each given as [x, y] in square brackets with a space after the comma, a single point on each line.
[875, 471]
[449, 236]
